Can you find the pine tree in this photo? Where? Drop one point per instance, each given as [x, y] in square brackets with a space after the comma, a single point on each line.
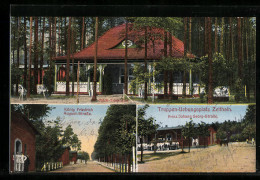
[94, 97]
[68, 60]
[25, 55]
[210, 91]
[185, 57]
[126, 50]
[35, 73]
[216, 34]
[42, 49]
[30, 62]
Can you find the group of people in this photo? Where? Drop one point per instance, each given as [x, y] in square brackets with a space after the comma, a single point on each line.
[24, 159]
[159, 146]
[253, 141]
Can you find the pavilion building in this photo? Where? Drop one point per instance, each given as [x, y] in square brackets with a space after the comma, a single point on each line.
[111, 59]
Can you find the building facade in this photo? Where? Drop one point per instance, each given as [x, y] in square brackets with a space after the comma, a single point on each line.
[111, 63]
[171, 138]
[22, 143]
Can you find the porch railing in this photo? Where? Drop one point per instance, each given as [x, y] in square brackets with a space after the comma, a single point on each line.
[50, 166]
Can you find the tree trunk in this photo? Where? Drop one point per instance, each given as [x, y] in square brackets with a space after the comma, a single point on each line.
[165, 81]
[205, 37]
[240, 62]
[65, 35]
[54, 38]
[231, 54]
[142, 151]
[129, 163]
[222, 36]
[50, 52]
[182, 145]
[190, 78]
[30, 62]
[145, 64]
[35, 55]
[185, 57]
[248, 83]
[68, 60]
[190, 34]
[41, 62]
[189, 144]
[126, 74]
[59, 34]
[210, 86]
[18, 54]
[25, 56]
[94, 97]
[82, 33]
[216, 34]
[170, 72]
[73, 51]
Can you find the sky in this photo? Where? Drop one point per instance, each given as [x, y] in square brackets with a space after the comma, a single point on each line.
[84, 119]
[174, 115]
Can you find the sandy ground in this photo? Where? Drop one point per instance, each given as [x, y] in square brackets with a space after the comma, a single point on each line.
[237, 157]
[91, 166]
[83, 99]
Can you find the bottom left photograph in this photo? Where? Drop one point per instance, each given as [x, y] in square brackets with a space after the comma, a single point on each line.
[72, 138]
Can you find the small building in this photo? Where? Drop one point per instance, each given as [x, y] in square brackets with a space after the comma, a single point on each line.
[65, 157]
[22, 143]
[74, 156]
[172, 136]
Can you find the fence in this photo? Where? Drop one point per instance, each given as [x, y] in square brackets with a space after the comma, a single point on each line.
[50, 166]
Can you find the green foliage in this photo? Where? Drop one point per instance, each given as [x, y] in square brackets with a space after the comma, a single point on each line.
[146, 126]
[221, 71]
[140, 77]
[48, 79]
[203, 130]
[250, 117]
[249, 122]
[227, 128]
[239, 90]
[83, 155]
[116, 133]
[188, 130]
[71, 139]
[16, 75]
[35, 112]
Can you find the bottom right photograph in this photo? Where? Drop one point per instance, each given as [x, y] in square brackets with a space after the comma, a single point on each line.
[196, 138]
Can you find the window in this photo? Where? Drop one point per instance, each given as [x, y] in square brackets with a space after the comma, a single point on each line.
[169, 137]
[122, 75]
[130, 73]
[18, 146]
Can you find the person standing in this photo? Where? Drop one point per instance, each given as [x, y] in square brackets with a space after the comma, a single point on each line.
[26, 164]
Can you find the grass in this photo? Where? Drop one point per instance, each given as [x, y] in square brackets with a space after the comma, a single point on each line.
[40, 96]
[189, 101]
[158, 155]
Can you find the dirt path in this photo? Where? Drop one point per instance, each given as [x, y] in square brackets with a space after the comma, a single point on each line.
[237, 157]
[91, 166]
[83, 99]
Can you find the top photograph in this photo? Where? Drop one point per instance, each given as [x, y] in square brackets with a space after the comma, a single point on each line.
[132, 60]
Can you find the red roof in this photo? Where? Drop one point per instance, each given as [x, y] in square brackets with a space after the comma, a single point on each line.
[114, 36]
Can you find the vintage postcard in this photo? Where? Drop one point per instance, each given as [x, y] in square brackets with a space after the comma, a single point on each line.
[132, 94]
[73, 138]
[196, 138]
[125, 60]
